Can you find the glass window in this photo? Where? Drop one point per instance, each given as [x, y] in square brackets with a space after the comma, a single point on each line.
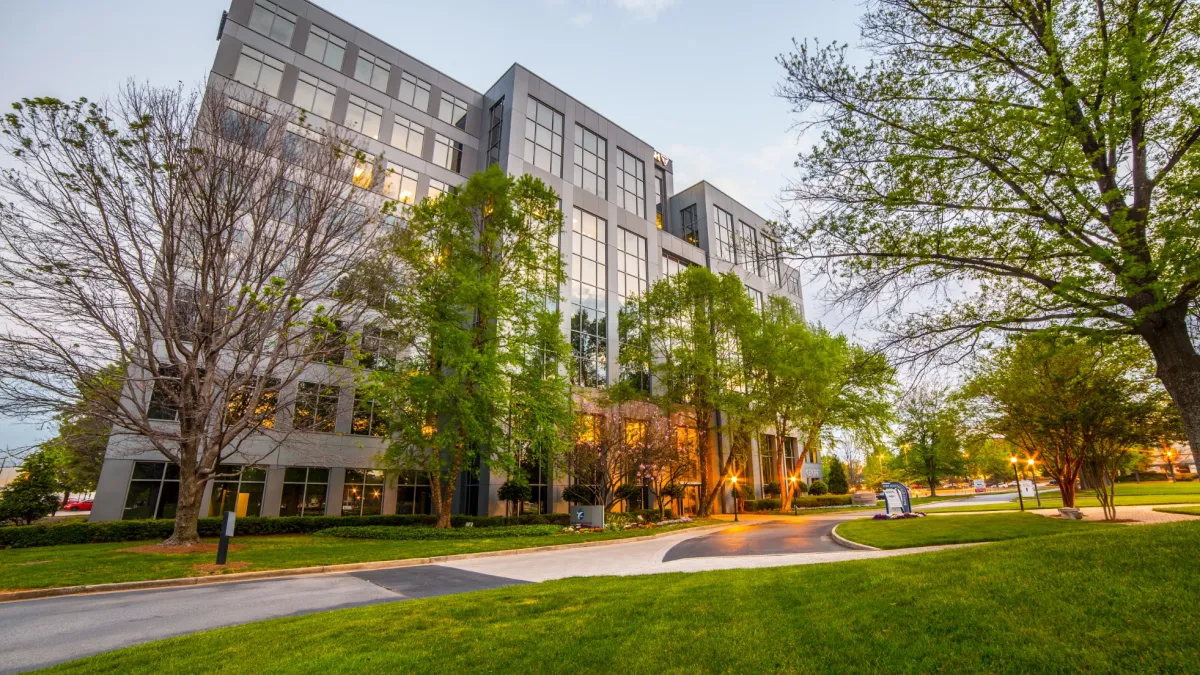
[543, 137]
[153, 491]
[631, 183]
[363, 493]
[368, 419]
[314, 95]
[256, 69]
[414, 91]
[400, 184]
[591, 161]
[725, 244]
[408, 136]
[767, 458]
[316, 407]
[437, 188]
[325, 47]
[244, 127]
[273, 21]
[164, 397]
[378, 348]
[495, 127]
[453, 111]
[263, 415]
[768, 259]
[756, 297]
[447, 153]
[238, 489]
[633, 277]
[747, 246]
[412, 493]
[372, 70]
[589, 299]
[660, 191]
[363, 117]
[673, 265]
[689, 225]
[304, 491]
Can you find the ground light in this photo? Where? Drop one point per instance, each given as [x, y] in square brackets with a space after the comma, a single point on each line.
[1033, 473]
[733, 481]
[1018, 477]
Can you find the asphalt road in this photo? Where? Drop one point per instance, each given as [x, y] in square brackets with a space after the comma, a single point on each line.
[40, 633]
[773, 538]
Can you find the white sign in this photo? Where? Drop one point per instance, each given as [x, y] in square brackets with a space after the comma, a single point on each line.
[1027, 488]
[893, 499]
[980, 485]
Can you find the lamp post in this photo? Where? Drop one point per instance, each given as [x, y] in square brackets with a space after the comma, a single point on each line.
[1033, 473]
[733, 481]
[1018, 477]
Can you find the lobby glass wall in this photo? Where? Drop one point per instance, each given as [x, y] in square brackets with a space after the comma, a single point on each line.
[304, 491]
[412, 493]
[153, 491]
[363, 493]
[242, 493]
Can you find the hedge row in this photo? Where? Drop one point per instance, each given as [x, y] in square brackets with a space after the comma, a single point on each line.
[29, 536]
[804, 502]
[421, 533]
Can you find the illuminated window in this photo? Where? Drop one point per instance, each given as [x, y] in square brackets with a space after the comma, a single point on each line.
[372, 70]
[689, 225]
[368, 419]
[304, 491]
[635, 432]
[589, 429]
[589, 299]
[660, 193]
[238, 489]
[408, 136]
[400, 184]
[273, 21]
[591, 161]
[724, 226]
[325, 47]
[363, 493]
[437, 188]
[363, 117]
[362, 171]
[453, 111]
[263, 415]
[257, 70]
[543, 137]
[316, 407]
[447, 153]
[631, 183]
[414, 91]
[314, 95]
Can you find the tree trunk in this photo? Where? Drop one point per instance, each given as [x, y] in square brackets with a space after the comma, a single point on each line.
[703, 436]
[187, 511]
[1177, 364]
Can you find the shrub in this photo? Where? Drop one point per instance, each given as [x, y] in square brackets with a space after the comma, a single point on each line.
[135, 530]
[801, 487]
[649, 515]
[578, 494]
[818, 487]
[33, 494]
[838, 484]
[417, 533]
[768, 504]
[771, 489]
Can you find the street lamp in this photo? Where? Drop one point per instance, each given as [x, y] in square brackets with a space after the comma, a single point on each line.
[733, 480]
[1033, 473]
[1018, 477]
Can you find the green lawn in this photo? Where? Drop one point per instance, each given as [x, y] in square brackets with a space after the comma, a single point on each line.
[1097, 600]
[1185, 510]
[82, 564]
[1128, 494]
[936, 530]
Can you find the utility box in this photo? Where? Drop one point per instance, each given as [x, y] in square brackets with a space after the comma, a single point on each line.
[587, 516]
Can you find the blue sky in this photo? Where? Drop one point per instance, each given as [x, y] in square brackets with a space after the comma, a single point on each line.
[695, 79]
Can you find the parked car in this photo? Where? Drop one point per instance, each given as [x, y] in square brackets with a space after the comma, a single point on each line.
[85, 505]
[1052, 482]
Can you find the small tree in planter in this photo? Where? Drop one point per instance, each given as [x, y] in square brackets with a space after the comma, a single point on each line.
[579, 494]
[675, 492]
[818, 487]
[513, 492]
[770, 489]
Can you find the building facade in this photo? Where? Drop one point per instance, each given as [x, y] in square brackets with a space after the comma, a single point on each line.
[625, 227]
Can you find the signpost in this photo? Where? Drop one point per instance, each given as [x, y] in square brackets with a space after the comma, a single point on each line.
[588, 516]
[227, 521]
[980, 485]
[895, 498]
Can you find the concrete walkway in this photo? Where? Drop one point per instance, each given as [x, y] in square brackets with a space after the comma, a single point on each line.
[39, 633]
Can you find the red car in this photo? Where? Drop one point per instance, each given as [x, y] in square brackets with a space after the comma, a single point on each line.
[78, 506]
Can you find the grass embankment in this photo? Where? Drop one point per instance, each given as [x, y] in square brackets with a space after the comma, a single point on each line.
[1185, 510]
[1128, 494]
[1090, 601]
[916, 501]
[938, 530]
[83, 564]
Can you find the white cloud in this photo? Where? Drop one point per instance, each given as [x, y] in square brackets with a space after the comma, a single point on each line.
[581, 19]
[646, 9]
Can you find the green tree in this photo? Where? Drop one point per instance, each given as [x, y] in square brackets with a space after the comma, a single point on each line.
[79, 446]
[1045, 154]
[34, 493]
[693, 332]
[837, 477]
[471, 283]
[988, 457]
[929, 437]
[513, 493]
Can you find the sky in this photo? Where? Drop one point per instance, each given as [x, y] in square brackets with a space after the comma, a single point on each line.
[695, 79]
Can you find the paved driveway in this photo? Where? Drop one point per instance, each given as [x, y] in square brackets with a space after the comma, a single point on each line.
[771, 538]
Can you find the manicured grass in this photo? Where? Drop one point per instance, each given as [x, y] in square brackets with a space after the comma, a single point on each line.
[935, 530]
[1128, 494]
[1185, 510]
[1098, 600]
[83, 564]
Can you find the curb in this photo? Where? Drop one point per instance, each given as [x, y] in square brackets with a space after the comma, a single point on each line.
[849, 544]
[33, 594]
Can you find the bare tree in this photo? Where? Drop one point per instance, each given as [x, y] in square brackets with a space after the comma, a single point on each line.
[203, 238]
